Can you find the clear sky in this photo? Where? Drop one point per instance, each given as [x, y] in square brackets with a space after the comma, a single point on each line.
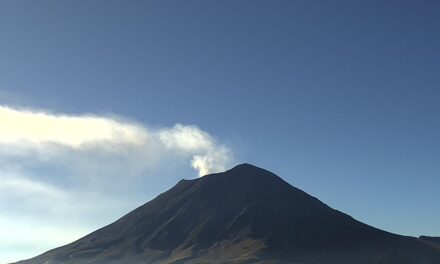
[340, 98]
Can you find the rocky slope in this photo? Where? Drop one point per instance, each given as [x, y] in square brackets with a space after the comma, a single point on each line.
[244, 215]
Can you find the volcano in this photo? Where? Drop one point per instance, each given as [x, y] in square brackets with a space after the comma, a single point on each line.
[244, 215]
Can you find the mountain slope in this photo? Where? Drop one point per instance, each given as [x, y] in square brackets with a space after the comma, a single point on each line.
[244, 215]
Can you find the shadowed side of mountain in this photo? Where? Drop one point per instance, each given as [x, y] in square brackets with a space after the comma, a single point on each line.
[431, 241]
[244, 215]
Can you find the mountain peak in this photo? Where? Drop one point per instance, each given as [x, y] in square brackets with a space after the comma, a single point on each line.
[247, 168]
[245, 175]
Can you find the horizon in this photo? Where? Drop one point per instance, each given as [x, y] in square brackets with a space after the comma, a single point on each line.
[106, 104]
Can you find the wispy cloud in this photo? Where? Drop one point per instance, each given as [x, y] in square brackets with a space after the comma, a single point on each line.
[25, 130]
[28, 188]
[38, 127]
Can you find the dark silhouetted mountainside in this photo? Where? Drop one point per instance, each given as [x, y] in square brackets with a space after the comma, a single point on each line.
[244, 215]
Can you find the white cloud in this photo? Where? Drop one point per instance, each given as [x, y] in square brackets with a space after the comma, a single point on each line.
[192, 139]
[39, 127]
[211, 162]
[28, 188]
[30, 132]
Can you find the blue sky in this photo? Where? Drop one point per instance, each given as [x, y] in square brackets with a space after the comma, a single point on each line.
[340, 98]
